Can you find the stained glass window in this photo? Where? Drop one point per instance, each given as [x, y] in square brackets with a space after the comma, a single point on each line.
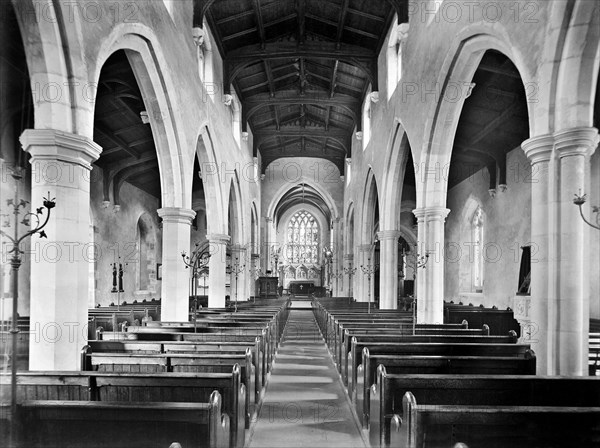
[303, 239]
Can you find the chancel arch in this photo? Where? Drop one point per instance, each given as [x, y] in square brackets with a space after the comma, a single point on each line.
[303, 231]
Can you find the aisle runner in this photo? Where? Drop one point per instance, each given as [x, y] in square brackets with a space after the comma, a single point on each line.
[305, 404]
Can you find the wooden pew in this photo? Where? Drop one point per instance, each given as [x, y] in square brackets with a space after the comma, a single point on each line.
[469, 390]
[427, 349]
[448, 365]
[499, 321]
[499, 426]
[177, 363]
[112, 387]
[167, 347]
[74, 424]
[268, 343]
[344, 356]
[342, 342]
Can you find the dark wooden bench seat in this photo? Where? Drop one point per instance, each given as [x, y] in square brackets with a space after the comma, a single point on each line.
[180, 363]
[338, 335]
[476, 390]
[76, 424]
[362, 340]
[268, 343]
[500, 426]
[447, 365]
[341, 346]
[210, 347]
[355, 358]
[113, 387]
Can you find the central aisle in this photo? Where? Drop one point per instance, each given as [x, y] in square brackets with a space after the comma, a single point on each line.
[305, 404]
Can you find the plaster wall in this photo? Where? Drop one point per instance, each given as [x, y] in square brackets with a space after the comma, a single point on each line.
[116, 234]
[506, 227]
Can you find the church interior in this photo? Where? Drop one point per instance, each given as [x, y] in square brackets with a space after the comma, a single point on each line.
[324, 223]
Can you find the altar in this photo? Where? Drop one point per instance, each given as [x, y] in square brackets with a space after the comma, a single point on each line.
[301, 288]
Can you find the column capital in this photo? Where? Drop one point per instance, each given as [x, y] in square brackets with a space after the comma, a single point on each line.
[431, 213]
[349, 257]
[576, 142]
[238, 248]
[365, 247]
[388, 234]
[538, 149]
[53, 145]
[268, 219]
[176, 215]
[218, 238]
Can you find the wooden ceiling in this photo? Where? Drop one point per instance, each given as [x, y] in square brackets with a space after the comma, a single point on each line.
[16, 108]
[493, 122]
[128, 150]
[301, 68]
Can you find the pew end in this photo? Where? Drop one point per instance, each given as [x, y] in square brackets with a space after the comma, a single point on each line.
[395, 430]
[219, 423]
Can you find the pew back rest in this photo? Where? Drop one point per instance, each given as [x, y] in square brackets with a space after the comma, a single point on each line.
[493, 390]
[497, 426]
[79, 423]
[180, 388]
[40, 386]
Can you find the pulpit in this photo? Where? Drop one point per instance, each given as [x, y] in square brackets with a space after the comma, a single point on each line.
[267, 287]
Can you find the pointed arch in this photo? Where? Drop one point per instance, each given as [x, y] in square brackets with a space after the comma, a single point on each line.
[47, 63]
[578, 68]
[369, 208]
[235, 216]
[455, 78]
[393, 182]
[302, 180]
[211, 182]
[349, 240]
[148, 63]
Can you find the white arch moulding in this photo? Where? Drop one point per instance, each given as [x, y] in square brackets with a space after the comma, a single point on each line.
[302, 180]
[370, 199]
[457, 72]
[393, 180]
[148, 64]
[578, 69]
[47, 64]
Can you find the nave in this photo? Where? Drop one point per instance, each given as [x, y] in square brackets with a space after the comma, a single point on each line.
[175, 173]
[305, 404]
[329, 372]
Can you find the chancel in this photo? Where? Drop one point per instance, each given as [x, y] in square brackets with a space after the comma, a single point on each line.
[320, 223]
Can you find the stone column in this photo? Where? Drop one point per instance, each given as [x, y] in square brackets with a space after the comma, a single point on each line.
[336, 262]
[347, 279]
[239, 252]
[365, 256]
[269, 242]
[537, 326]
[430, 288]
[254, 266]
[388, 286]
[216, 269]
[573, 147]
[176, 228]
[61, 166]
